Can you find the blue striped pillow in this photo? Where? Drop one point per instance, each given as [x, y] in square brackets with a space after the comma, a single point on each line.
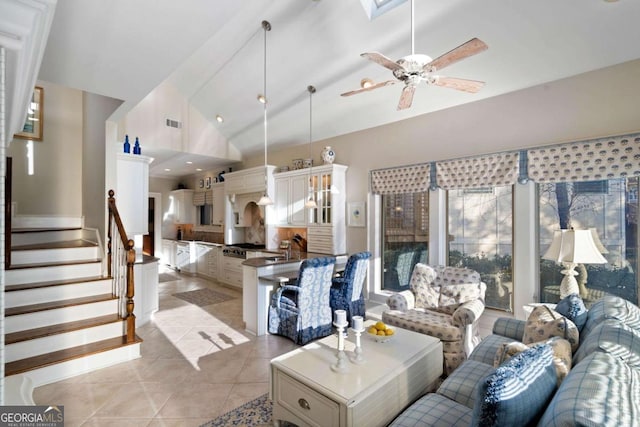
[518, 391]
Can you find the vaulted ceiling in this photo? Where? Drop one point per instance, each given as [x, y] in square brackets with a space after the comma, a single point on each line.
[212, 52]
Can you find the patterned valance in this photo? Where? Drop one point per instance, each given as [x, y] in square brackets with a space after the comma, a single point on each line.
[598, 159]
[486, 171]
[405, 179]
[198, 198]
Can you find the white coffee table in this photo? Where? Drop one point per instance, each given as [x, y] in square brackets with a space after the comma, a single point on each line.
[307, 392]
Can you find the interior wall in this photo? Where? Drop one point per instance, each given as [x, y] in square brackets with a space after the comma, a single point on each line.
[595, 104]
[96, 110]
[55, 188]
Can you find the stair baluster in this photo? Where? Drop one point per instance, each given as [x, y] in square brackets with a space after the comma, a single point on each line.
[120, 260]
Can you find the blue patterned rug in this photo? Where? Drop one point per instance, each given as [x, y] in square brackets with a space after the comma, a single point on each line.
[254, 413]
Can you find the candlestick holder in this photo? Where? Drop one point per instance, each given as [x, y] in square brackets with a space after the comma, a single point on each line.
[357, 357]
[340, 365]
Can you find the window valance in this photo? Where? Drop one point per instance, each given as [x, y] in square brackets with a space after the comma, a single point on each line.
[593, 160]
[199, 198]
[486, 171]
[404, 179]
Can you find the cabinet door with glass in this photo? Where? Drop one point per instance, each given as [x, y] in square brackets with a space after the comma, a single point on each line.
[321, 184]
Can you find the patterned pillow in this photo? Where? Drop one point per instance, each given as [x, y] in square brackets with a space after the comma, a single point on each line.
[561, 354]
[572, 307]
[544, 323]
[422, 284]
[518, 391]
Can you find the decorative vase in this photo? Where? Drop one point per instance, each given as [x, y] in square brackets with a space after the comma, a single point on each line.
[136, 147]
[127, 145]
[328, 155]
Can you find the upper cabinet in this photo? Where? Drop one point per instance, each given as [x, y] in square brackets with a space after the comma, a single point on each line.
[219, 201]
[132, 192]
[325, 224]
[181, 206]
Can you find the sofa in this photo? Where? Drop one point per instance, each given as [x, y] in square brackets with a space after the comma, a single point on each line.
[601, 387]
[443, 302]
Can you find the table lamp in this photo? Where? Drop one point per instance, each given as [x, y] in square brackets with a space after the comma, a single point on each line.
[572, 247]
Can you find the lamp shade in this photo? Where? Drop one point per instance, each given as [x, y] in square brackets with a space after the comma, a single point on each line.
[574, 246]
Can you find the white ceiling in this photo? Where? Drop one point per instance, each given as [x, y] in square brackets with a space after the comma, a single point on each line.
[212, 52]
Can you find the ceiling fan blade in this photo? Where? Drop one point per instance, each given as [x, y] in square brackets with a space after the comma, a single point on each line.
[463, 51]
[471, 86]
[379, 58]
[366, 89]
[407, 97]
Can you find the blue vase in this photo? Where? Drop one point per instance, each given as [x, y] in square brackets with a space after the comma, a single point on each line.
[136, 147]
[127, 146]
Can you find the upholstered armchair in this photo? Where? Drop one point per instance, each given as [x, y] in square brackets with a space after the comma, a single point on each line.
[443, 302]
[302, 311]
[347, 289]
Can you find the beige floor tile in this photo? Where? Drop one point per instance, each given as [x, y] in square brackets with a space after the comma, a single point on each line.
[197, 363]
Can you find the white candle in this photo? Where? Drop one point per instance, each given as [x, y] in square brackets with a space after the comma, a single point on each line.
[358, 323]
[341, 317]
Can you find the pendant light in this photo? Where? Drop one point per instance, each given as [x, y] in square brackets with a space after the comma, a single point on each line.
[265, 200]
[310, 203]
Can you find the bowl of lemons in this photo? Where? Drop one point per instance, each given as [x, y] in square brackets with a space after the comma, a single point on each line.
[380, 332]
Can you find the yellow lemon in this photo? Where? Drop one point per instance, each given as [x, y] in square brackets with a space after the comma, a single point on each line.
[380, 326]
[372, 330]
[381, 333]
[389, 331]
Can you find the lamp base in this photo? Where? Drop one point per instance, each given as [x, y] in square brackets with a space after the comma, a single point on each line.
[569, 284]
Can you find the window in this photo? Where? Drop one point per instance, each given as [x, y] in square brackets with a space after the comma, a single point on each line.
[405, 231]
[611, 207]
[480, 237]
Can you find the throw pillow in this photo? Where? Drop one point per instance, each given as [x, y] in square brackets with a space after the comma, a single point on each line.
[544, 323]
[561, 354]
[572, 307]
[422, 285]
[518, 391]
[453, 296]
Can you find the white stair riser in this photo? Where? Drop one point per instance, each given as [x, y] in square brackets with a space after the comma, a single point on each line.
[57, 293]
[34, 238]
[59, 315]
[48, 274]
[41, 221]
[83, 365]
[54, 255]
[34, 347]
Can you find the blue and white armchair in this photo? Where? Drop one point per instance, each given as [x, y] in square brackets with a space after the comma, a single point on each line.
[347, 290]
[302, 311]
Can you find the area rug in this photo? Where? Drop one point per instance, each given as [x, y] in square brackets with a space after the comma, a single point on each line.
[168, 277]
[202, 297]
[254, 413]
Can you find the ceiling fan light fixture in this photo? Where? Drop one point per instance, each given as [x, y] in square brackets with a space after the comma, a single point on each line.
[366, 83]
[219, 118]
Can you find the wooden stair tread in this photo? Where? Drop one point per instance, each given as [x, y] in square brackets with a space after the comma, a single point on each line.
[14, 311]
[62, 244]
[54, 264]
[42, 360]
[60, 328]
[36, 285]
[40, 230]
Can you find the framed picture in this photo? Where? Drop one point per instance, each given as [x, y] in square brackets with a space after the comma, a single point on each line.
[208, 182]
[201, 183]
[33, 125]
[355, 214]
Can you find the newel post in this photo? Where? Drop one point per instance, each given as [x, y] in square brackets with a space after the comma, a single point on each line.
[130, 318]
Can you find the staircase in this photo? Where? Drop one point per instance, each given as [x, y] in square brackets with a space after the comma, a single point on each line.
[61, 316]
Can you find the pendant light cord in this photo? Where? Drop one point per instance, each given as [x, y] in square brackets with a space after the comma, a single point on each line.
[412, 32]
[267, 27]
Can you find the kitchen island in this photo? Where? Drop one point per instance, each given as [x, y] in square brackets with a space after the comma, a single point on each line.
[261, 276]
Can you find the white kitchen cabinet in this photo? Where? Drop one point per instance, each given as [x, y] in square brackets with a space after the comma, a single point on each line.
[169, 252]
[132, 192]
[181, 206]
[326, 228]
[207, 260]
[291, 193]
[219, 201]
[231, 273]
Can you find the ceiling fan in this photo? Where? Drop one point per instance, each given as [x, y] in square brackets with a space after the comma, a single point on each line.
[416, 68]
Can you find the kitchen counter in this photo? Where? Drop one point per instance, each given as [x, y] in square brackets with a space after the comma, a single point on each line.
[279, 259]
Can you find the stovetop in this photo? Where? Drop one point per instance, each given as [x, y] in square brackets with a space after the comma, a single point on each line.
[246, 246]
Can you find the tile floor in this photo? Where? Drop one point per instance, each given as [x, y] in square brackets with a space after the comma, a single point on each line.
[197, 363]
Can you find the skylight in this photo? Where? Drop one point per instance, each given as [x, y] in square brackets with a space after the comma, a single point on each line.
[375, 8]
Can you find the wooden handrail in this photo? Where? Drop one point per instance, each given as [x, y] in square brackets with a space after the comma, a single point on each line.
[127, 244]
